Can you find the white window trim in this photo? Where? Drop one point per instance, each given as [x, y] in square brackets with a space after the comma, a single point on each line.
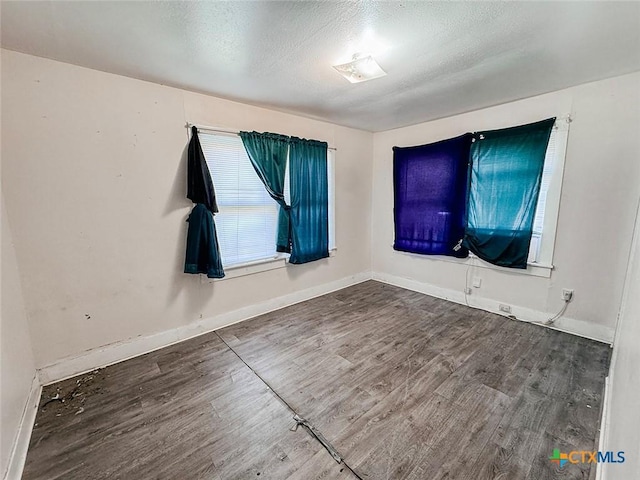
[258, 266]
[533, 269]
[331, 177]
[544, 266]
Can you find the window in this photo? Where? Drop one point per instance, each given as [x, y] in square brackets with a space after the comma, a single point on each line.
[248, 217]
[546, 216]
[490, 215]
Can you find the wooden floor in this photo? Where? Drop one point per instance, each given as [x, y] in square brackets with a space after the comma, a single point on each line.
[403, 385]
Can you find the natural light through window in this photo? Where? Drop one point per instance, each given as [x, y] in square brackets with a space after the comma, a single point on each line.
[546, 216]
[248, 217]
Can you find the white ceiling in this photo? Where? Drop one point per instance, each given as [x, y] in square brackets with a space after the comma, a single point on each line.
[441, 58]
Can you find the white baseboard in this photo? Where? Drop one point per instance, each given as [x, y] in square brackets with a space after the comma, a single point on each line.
[120, 351]
[564, 324]
[21, 442]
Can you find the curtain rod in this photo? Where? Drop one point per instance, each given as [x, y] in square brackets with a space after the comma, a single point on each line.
[226, 130]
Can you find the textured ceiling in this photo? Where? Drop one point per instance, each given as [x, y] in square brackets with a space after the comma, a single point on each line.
[441, 58]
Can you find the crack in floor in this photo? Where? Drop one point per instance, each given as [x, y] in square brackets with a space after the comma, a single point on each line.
[300, 421]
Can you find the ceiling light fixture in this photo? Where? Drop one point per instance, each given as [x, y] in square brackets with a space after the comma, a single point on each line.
[360, 69]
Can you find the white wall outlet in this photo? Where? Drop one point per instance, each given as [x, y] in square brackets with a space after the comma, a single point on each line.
[467, 290]
[504, 308]
[477, 281]
[567, 294]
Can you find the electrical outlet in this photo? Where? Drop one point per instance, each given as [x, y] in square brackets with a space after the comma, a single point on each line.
[504, 308]
[467, 290]
[477, 281]
[567, 294]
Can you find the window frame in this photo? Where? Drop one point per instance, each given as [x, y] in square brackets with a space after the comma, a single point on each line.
[543, 265]
[278, 260]
[544, 258]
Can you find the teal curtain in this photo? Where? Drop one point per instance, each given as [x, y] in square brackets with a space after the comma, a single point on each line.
[309, 200]
[268, 155]
[203, 251]
[504, 183]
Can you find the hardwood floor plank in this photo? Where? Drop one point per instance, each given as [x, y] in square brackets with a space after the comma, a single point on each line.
[403, 385]
[497, 463]
[172, 423]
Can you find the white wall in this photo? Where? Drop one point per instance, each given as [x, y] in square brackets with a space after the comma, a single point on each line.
[94, 182]
[94, 178]
[17, 364]
[596, 217]
[622, 420]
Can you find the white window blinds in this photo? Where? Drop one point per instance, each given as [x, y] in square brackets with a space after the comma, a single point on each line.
[550, 161]
[248, 218]
[547, 173]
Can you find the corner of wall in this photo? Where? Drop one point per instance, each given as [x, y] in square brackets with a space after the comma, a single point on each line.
[123, 350]
[20, 385]
[579, 261]
[20, 446]
[563, 324]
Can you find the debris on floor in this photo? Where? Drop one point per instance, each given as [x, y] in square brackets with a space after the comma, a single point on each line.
[69, 396]
[313, 431]
[53, 399]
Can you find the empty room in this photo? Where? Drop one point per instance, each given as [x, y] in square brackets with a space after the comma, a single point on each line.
[301, 240]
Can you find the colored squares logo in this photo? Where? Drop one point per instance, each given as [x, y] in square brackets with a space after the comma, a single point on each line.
[559, 458]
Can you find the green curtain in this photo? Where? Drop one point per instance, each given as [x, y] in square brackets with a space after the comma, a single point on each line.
[504, 183]
[309, 200]
[268, 155]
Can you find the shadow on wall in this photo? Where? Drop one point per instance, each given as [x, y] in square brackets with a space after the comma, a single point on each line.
[195, 291]
[198, 291]
[178, 196]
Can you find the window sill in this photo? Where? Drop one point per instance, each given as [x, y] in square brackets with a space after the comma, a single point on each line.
[257, 266]
[533, 269]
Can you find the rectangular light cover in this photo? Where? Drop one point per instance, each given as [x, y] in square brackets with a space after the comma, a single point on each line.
[360, 70]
